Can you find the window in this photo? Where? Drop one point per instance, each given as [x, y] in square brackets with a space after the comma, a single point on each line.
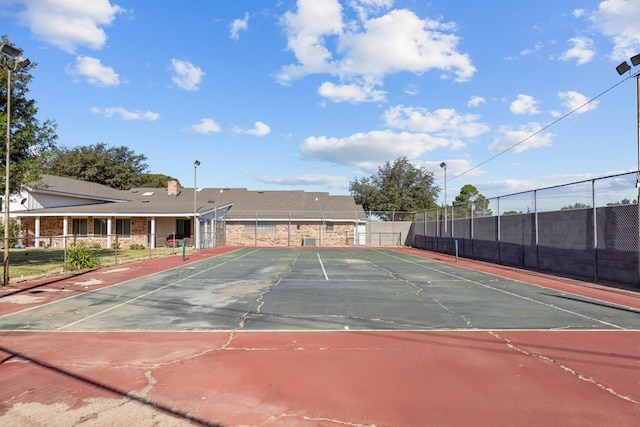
[79, 227]
[260, 227]
[329, 227]
[123, 227]
[183, 228]
[100, 227]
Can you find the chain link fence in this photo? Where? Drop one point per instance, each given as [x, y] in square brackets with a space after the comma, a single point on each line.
[587, 229]
[43, 256]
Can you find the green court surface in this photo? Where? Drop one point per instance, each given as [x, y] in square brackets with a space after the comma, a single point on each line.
[321, 289]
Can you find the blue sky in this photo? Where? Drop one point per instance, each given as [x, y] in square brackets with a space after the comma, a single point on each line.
[310, 94]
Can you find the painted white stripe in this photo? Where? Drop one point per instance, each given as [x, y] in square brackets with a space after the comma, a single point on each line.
[153, 291]
[322, 265]
[504, 291]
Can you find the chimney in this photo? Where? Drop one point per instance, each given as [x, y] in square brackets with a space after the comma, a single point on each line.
[173, 188]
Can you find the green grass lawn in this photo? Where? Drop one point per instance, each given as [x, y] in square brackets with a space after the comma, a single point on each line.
[34, 262]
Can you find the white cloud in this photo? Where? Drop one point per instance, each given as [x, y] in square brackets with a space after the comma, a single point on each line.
[329, 181]
[618, 19]
[401, 41]
[411, 90]
[186, 75]
[572, 100]
[95, 73]
[525, 104]
[475, 101]
[365, 51]
[68, 24]
[443, 122]
[126, 114]
[522, 138]
[350, 93]
[260, 129]
[536, 48]
[367, 150]
[239, 25]
[454, 167]
[505, 187]
[579, 13]
[307, 31]
[582, 50]
[206, 126]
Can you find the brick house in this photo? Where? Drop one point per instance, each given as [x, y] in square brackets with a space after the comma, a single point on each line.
[59, 209]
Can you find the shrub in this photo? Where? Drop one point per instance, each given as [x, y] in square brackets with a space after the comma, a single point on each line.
[115, 245]
[80, 257]
[137, 246]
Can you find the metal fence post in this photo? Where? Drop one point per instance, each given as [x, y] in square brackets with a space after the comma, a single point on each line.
[535, 226]
[595, 229]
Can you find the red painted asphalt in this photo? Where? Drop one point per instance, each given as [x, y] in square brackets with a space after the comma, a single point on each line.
[352, 378]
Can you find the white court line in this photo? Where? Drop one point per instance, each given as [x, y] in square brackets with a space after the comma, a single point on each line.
[504, 291]
[322, 265]
[153, 291]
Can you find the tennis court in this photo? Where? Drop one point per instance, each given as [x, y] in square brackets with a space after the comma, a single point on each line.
[362, 337]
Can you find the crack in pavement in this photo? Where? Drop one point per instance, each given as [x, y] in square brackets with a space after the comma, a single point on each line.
[420, 290]
[260, 300]
[315, 419]
[565, 368]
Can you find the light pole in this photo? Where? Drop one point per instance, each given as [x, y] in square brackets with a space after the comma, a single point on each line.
[443, 165]
[12, 60]
[195, 201]
[621, 69]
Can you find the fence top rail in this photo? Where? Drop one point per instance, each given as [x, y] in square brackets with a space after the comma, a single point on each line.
[565, 185]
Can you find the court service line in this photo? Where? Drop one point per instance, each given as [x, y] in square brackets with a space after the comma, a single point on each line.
[151, 292]
[506, 292]
[322, 265]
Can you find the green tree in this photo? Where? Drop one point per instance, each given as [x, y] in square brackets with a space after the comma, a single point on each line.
[469, 195]
[397, 187]
[155, 180]
[116, 167]
[32, 141]
[575, 206]
[14, 232]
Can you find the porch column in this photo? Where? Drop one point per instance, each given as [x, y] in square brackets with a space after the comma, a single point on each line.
[207, 233]
[152, 236]
[196, 237]
[108, 232]
[65, 231]
[37, 231]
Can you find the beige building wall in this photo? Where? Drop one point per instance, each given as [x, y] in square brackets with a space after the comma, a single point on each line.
[291, 234]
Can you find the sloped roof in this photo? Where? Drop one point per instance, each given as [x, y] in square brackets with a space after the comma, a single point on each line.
[158, 202]
[68, 187]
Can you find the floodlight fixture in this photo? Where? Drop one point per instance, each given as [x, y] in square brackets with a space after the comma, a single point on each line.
[635, 60]
[23, 62]
[623, 67]
[443, 165]
[11, 51]
[196, 163]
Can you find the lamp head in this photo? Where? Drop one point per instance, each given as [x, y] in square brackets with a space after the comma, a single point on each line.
[196, 163]
[443, 165]
[623, 68]
[10, 51]
[635, 60]
[23, 62]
